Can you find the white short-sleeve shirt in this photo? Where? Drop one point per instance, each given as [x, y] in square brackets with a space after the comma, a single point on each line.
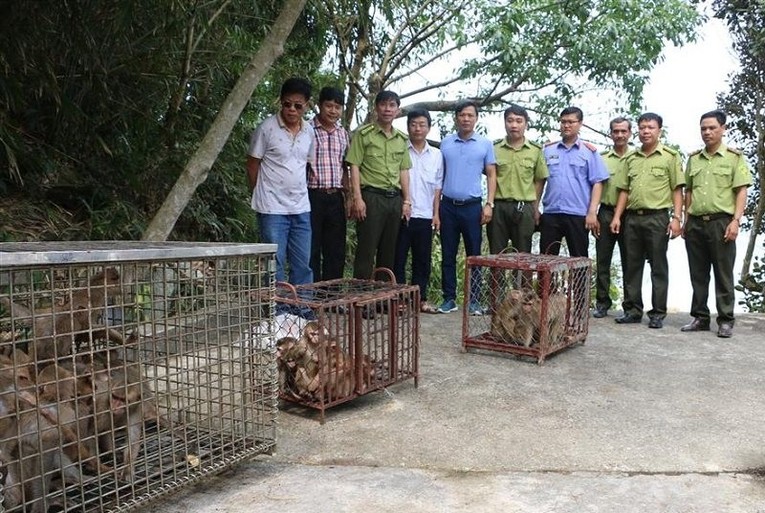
[282, 180]
[425, 178]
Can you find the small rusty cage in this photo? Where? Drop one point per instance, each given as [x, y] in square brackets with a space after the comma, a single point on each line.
[339, 339]
[533, 305]
[127, 369]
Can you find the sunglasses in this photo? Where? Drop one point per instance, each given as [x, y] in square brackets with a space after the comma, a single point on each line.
[297, 106]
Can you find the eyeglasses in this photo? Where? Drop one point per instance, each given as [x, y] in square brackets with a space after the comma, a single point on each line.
[289, 105]
[569, 121]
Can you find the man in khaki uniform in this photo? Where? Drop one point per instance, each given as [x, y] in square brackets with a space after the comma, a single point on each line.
[651, 184]
[717, 178]
[521, 175]
[605, 241]
[379, 161]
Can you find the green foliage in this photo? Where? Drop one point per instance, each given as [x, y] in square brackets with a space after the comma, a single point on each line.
[753, 287]
[101, 105]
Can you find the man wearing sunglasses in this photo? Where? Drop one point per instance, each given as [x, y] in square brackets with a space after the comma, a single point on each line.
[280, 149]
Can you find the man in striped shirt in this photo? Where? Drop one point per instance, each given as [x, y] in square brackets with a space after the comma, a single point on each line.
[327, 183]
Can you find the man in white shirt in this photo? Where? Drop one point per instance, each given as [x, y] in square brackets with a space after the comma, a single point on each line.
[415, 234]
[280, 149]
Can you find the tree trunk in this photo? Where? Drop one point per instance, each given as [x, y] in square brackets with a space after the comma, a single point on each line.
[198, 166]
[760, 169]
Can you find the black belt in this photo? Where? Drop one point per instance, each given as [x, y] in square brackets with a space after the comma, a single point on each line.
[648, 211]
[388, 193]
[606, 208]
[328, 190]
[460, 202]
[711, 217]
[509, 200]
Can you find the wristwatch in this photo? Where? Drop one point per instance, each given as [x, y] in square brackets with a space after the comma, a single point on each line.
[490, 204]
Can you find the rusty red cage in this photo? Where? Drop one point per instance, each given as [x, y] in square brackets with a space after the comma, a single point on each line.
[533, 305]
[339, 339]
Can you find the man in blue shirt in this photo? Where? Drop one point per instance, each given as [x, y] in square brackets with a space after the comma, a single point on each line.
[467, 156]
[573, 189]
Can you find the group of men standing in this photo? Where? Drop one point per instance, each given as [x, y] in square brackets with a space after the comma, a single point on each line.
[308, 177]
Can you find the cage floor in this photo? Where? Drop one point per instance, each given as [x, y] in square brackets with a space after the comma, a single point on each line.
[165, 462]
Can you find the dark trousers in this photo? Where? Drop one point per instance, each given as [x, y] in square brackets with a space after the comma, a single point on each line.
[377, 234]
[456, 221]
[415, 236]
[707, 250]
[510, 223]
[645, 238]
[604, 250]
[328, 227]
[554, 227]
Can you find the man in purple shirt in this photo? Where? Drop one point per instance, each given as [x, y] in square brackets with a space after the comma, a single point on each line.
[572, 194]
[467, 156]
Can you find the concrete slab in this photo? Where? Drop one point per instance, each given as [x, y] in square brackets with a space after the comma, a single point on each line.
[634, 420]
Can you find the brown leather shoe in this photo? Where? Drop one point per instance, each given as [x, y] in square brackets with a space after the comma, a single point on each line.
[696, 325]
[725, 330]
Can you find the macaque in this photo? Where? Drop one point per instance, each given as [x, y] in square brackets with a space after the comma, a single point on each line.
[38, 438]
[57, 328]
[123, 403]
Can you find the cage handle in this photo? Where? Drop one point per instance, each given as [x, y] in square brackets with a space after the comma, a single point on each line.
[290, 287]
[385, 270]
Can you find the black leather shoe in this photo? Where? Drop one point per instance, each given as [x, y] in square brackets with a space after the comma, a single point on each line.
[725, 330]
[628, 319]
[696, 325]
[600, 312]
[656, 323]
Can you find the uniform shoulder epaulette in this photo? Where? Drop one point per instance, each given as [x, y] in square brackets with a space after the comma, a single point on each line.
[498, 141]
[669, 150]
[550, 143]
[694, 153]
[365, 129]
[534, 144]
[590, 146]
[734, 150]
[605, 152]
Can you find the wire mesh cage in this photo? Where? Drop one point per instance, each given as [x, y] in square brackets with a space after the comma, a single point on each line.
[534, 305]
[127, 369]
[339, 339]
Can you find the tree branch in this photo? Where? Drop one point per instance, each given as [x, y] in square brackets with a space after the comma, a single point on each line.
[198, 166]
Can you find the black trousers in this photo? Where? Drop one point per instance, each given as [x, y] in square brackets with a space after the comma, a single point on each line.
[604, 250]
[708, 251]
[645, 239]
[415, 236]
[554, 227]
[328, 227]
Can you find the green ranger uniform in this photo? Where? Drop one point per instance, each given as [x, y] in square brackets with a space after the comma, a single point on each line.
[380, 158]
[513, 216]
[650, 181]
[713, 181]
[604, 245]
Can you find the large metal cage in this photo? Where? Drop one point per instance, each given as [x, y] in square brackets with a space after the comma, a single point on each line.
[339, 339]
[533, 305]
[127, 369]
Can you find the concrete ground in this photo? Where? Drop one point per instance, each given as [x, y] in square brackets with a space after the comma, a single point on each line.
[635, 420]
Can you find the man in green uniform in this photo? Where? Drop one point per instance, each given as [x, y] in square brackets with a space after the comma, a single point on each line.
[717, 178]
[605, 241]
[651, 184]
[521, 175]
[379, 161]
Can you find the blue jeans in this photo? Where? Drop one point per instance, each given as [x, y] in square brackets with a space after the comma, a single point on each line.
[459, 221]
[292, 235]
